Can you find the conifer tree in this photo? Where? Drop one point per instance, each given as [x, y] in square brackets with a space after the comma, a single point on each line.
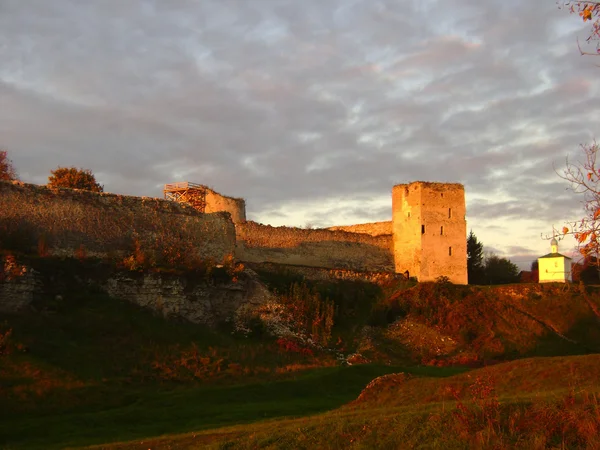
[475, 268]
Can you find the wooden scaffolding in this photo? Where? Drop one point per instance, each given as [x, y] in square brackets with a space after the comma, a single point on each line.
[185, 192]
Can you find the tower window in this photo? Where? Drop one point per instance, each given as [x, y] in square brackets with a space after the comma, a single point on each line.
[422, 229]
[449, 213]
[449, 251]
[409, 214]
[442, 230]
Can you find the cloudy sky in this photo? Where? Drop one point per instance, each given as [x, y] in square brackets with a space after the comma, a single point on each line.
[312, 109]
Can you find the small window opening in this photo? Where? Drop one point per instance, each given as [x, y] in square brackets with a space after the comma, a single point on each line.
[442, 230]
[449, 251]
[422, 229]
[442, 195]
[409, 214]
[449, 213]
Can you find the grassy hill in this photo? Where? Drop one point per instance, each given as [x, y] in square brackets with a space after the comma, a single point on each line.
[89, 369]
[560, 408]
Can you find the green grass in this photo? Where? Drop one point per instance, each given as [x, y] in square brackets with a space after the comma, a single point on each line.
[133, 413]
[534, 410]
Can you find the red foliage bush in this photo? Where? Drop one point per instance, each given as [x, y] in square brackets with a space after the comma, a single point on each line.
[286, 345]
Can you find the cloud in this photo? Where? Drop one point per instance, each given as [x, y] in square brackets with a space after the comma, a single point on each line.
[311, 110]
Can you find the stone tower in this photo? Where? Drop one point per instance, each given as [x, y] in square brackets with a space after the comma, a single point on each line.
[430, 230]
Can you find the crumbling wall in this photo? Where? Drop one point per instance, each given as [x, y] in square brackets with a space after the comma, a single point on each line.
[69, 222]
[216, 202]
[319, 273]
[373, 229]
[315, 248]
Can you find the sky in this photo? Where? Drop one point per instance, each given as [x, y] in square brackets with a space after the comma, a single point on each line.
[310, 110]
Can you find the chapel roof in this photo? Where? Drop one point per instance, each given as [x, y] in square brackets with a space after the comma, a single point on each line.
[554, 255]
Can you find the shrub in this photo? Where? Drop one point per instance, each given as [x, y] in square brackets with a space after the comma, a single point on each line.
[7, 170]
[8, 345]
[73, 178]
[309, 314]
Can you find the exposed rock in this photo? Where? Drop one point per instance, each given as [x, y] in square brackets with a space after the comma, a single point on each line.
[18, 292]
[199, 299]
[195, 300]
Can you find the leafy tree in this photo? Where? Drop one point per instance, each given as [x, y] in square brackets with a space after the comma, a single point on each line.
[588, 271]
[588, 11]
[7, 170]
[71, 177]
[535, 265]
[584, 176]
[475, 268]
[584, 179]
[500, 270]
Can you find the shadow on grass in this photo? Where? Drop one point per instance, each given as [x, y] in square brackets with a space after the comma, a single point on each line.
[148, 412]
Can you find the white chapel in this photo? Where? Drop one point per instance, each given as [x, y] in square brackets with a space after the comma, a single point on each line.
[554, 267]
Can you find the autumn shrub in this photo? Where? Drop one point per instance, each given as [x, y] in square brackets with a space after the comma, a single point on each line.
[11, 268]
[81, 253]
[287, 345]
[7, 169]
[483, 412]
[136, 259]
[309, 314]
[8, 344]
[233, 268]
[191, 363]
[42, 246]
[480, 420]
[5, 341]
[74, 178]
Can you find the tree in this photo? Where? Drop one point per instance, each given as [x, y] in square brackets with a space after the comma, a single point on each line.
[73, 178]
[588, 271]
[584, 179]
[500, 270]
[475, 269]
[584, 176]
[7, 170]
[588, 11]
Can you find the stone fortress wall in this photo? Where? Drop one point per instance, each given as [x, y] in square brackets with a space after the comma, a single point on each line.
[426, 236]
[373, 229]
[216, 202]
[71, 222]
[323, 248]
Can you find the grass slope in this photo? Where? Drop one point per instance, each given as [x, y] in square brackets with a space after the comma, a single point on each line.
[533, 404]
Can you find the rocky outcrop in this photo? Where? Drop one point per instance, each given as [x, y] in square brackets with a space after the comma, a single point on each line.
[200, 298]
[196, 300]
[18, 286]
